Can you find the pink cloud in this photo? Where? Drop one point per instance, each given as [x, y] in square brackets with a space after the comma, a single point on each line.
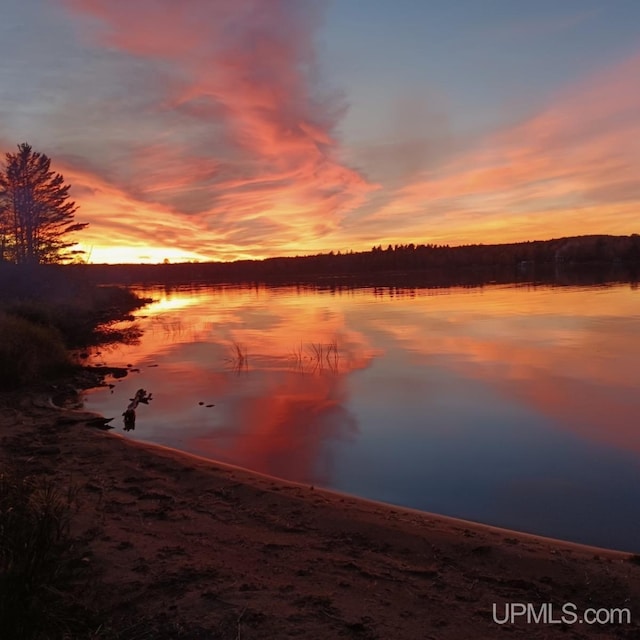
[243, 129]
[571, 169]
[210, 130]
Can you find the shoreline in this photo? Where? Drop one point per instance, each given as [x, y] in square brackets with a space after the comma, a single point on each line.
[185, 457]
[190, 548]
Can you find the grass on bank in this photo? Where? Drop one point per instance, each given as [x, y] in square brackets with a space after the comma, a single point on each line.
[47, 590]
[44, 583]
[83, 320]
[29, 352]
[78, 326]
[39, 328]
[38, 561]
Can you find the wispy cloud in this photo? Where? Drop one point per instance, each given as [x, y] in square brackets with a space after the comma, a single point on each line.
[571, 169]
[203, 129]
[237, 131]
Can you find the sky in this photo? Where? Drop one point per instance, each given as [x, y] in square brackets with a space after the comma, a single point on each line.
[231, 129]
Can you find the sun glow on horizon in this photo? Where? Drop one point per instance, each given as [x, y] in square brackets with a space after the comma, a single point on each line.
[141, 254]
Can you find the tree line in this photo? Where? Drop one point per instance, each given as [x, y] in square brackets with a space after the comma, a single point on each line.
[593, 258]
[37, 215]
[37, 220]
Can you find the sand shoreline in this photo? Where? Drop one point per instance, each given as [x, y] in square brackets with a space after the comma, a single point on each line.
[192, 548]
[187, 458]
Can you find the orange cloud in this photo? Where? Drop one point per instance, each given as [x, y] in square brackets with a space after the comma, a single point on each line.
[205, 130]
[571, 169]
[127, 229]
[245, 147]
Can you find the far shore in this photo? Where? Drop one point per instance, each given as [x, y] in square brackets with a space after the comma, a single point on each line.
[184, 547]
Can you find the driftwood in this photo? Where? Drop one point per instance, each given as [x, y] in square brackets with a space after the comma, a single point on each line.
[89, 419]
[141, 397]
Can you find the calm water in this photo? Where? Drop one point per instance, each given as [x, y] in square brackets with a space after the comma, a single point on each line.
[514, 406]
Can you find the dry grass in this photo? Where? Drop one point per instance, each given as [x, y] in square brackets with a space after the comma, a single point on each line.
[238, 357]
[29, 352]
[317, 356]
[38, 560]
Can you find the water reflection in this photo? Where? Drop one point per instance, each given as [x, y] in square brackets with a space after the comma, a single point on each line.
[274, 368]
[569, 358]
[509, 405]
[284, 427]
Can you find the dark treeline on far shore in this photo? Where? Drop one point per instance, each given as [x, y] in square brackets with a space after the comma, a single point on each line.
[584, 259]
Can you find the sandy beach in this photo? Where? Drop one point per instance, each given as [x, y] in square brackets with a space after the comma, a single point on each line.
[188, 548]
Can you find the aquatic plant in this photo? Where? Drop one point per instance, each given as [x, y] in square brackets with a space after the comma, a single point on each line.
[238, 357]
[316, 356]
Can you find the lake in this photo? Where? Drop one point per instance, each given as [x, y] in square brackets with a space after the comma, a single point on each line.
[515, 406]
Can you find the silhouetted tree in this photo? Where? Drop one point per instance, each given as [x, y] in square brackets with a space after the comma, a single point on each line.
[5, 232]
[36, 214]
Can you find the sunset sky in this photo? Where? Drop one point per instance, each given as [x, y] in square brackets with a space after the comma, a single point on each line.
[225, 129]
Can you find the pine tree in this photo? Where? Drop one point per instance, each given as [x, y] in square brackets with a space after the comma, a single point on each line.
[36, 214]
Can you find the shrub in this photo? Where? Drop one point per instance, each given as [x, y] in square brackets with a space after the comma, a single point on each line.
[84, 320]
[35, 553]
[29, 351]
